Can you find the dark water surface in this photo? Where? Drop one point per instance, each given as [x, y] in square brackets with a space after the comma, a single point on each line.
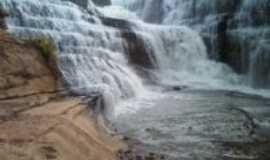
[202, 125]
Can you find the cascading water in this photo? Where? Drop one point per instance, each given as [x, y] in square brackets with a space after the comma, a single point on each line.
[99, 46]
[93, 58]
[90, 56]
[182, 58]
[179, 51]
[236, 32]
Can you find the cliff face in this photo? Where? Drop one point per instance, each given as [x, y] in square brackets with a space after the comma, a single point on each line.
[37, 120]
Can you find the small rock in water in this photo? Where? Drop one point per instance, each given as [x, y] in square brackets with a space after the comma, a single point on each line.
[174, 88]
[125, 138]
[149, 158]
[147, 129]
[138, 157]
[151, 154]
[127, 152]
[179, 88]
[162, 157]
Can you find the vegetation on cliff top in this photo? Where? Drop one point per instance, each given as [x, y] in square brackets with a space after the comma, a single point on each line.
[45, 46]
[47, 49]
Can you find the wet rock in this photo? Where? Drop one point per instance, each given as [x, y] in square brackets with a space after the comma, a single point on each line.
[137, 51]
[116, 23]
[151, 154]
[81, 3]
[174, 88]
[3, 14]
[128, 152]
[125, 138]
[179, 88]
[162, 157]
[149, 158]
[138, 157]
[102, 2]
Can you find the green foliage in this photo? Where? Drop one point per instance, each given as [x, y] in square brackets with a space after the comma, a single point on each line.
[46, 47]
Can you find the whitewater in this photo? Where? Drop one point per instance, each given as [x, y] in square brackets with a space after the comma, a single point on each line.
[182, 60]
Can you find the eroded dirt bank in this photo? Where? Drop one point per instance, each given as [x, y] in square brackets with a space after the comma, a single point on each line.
[37, 119]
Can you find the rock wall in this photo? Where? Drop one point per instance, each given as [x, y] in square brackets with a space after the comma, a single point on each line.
[38, 120]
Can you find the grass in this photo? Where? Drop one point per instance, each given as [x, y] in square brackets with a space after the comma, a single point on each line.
[46, 47]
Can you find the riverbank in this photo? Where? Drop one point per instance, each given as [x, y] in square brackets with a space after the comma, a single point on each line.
[38, 117]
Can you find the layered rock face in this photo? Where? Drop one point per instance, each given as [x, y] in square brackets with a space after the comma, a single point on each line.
[236, 32]
[37, 118]
[23, 71]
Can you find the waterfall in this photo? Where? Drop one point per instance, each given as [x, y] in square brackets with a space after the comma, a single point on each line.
[112, 51]
[178, 52]
[235, 32]
[91, 56]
